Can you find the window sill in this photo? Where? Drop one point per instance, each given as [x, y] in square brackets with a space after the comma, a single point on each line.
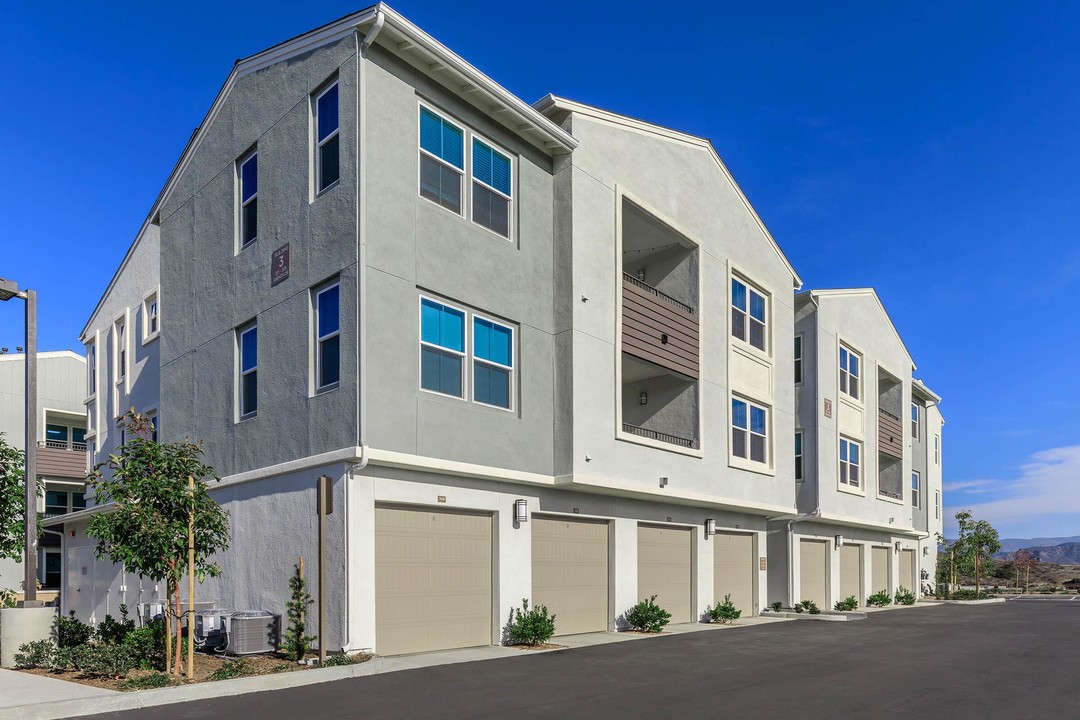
[151, 338]
[851, 402]
[850, 490]
[741, 346]
[90, 399]
[325, 190]
[326, 389]
[750, 466]
[249, 416]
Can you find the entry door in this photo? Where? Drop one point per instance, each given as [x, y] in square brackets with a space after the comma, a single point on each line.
[78, 591]
[665, 570]
[813, 573]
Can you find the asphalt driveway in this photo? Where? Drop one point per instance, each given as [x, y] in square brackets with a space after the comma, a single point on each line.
[1012, 660]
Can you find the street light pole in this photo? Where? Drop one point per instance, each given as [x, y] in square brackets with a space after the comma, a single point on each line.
[10, 289]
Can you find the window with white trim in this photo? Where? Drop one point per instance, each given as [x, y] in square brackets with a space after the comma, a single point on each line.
[798, 359]
[850, 461]
[120, 354]
[150, 317]
[916, 488]
[798, 457]
[91, 368]
[749, 311]
[442, 348]
[247, 170]
[247, 390]
[937, 504]
[327, 138]
[328, 336]
[937, 449]
[492, 189]
[442, 160]
[849, 371]
[493, 362]
[749, 431]
[914, 421]
[153, 418]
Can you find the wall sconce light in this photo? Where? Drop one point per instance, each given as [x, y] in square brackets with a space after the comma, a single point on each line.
[643, 399]
[521, 511]
[839, 541]
[641, 274]
[897, 546]
[710, 527]
[925, 550]
[663, 482]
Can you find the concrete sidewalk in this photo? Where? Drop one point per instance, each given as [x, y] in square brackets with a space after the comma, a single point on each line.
[20, 688]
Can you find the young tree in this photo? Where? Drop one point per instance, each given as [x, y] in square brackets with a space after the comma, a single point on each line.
[975, 545]
[147, 529]
[13, 502]
[1023, 561]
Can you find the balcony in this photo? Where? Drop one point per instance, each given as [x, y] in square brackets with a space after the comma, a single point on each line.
[890, 435]
[658, 328]
[56, 458]
[656, 435]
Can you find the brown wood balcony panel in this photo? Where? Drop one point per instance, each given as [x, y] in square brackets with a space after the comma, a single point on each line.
[647, 319]
[54, 462]
[890, 436]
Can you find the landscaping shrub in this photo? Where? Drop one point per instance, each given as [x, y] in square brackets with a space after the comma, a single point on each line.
[231, 669]
[36, 654]
[776, 606]
[530, 627]
[809, 606]
[111, 632]
[335, 660]
[904, 596]
[147, 644]
[847, 604]
[72, 632]
[7, 598]
[647, 616]
[879, 599]
[724, 612]
[147, 682]
[969, 595]
[295, 642]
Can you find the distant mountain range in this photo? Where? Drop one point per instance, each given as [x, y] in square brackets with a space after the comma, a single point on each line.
[1063, 551]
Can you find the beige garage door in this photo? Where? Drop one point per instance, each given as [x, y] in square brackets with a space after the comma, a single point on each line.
[664, 569]
[813, 577]
[907, 570]
[570, 573]
[879, 569]
[432, 580]
[733, 570]
[851, 570]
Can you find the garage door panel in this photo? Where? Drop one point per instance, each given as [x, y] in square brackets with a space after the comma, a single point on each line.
[813, 572]
[665, 569]
[432, 580]
[879, 569]
[733, 570]
[851, 571]
[570, 573]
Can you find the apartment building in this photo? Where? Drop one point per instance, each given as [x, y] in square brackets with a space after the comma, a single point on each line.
[868, 492]
[61, 451]
[541, 351]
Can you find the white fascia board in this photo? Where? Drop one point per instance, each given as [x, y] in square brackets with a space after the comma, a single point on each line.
[550, 103]
[920, 387]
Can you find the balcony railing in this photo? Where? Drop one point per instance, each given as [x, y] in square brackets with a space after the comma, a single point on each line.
[656, 435]
[641, 284]
[63, 445]
[886, 493]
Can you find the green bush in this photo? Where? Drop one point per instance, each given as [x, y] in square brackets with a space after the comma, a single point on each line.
[904, 596]
[7, 598]
[148, 644]
[724, 612]
[335, 660]
[72, 632]
[114, 661]
[231, 669]
[647, 616]
[295, 642]
[879, 599]
[111, 632]
[530, 627]
[847, 604]
[970, 595]
[776, 606]
[809, 606]
[147, 682]
[36, 654]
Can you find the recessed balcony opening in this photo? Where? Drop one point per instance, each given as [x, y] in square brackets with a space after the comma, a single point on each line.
[658, 404]
[890, 436]
[890, 477]
[657, 258]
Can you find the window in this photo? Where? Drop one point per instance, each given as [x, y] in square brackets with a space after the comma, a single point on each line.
[937, 449]
[91, 369]
[849, 372]
[50, 573]
[914, 421]
[916, 486]
[327, 163]
[442, 160]
[56, 435]
[748, 431]
[747, 314]
[78, 438]
[798, 457]
[90, 417]
[493, 362]
[327, 337]
[491, 188]
[121, 350]
[56, 502]
[849, 462]
[798, 359]
[937, 504]
[249, 198]
[442, 348]
[153, 428]
[150, 317]
[248, 341]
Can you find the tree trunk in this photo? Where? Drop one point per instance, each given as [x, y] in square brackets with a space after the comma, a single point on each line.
[168, 627]
[176, 603]
[976, 576]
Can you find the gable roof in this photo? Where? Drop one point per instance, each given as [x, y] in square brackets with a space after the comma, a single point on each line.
[814, 295]
[553, 103]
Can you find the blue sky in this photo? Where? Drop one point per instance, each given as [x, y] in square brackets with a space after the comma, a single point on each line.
[929, 150]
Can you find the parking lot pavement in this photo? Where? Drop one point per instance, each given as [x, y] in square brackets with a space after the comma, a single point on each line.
[1008, 660]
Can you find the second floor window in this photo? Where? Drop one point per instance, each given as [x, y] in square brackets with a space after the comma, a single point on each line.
[150, 316]
[749, 433]
[328, 336]
[914, 421]
[121, 350]
[491, 188]
[249, 199]
[748, 313]
[442, 160]
[442, 348]
[849, 372]
[916, 487]
[248, 385]
[798, 457]
[850, 452]
[493, 362]
[327, 163]
[937, 504]
[798, 359]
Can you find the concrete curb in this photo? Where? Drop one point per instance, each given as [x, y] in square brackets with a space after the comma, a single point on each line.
[989, 601]
[828, 616]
